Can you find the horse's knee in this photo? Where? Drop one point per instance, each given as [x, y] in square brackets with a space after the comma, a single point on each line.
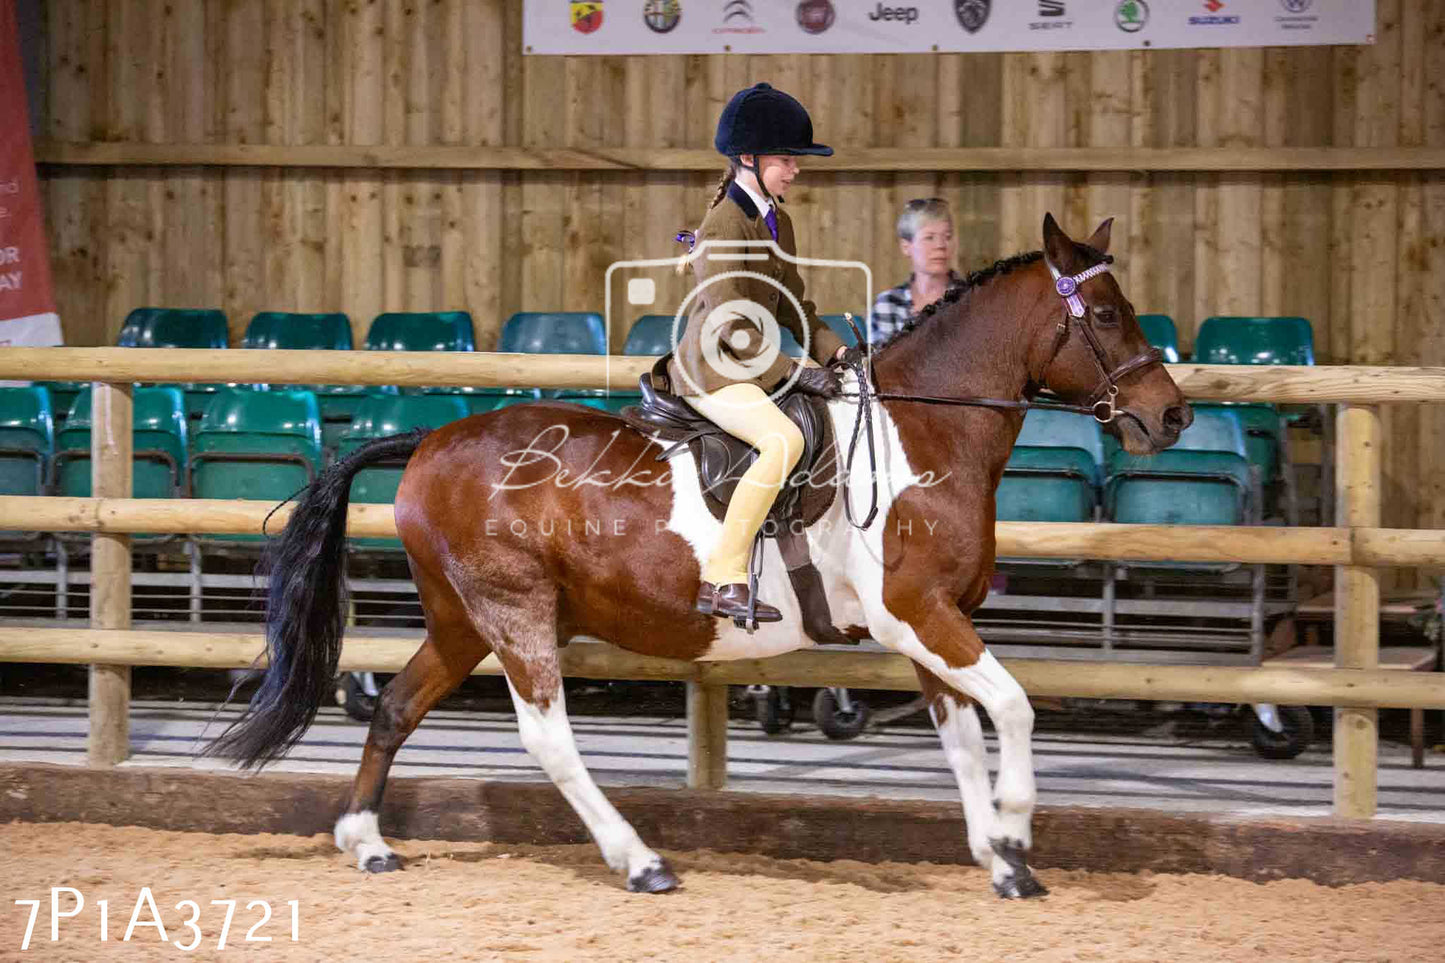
[1015, 711]
[389, 727]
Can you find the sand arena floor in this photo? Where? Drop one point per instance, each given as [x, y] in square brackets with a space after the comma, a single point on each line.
[481, 901]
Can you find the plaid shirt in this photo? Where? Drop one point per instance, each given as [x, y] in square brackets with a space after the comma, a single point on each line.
[893, 308]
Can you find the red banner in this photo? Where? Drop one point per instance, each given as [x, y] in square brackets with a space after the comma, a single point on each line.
[27, 303]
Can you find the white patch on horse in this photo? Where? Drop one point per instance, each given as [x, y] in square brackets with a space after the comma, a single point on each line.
[692, 519]
[359, 833]
[547, 735]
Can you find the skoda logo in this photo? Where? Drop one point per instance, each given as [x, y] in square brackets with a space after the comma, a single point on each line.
[1131, 15]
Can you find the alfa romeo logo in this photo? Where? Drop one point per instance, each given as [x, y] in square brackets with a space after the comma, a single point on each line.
[661, 15]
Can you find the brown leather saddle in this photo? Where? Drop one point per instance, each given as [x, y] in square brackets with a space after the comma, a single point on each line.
[722, 460]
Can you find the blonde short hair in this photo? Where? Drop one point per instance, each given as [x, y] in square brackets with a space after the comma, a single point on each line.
[920, 211]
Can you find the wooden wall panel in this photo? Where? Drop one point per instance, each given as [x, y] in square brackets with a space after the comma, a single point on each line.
[1361, 256]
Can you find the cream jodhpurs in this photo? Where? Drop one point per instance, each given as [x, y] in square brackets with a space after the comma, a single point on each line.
[744, 411]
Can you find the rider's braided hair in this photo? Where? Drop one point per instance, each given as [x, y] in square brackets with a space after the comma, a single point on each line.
[690, 237]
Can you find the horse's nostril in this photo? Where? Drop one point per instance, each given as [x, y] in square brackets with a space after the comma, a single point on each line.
[1177, 418]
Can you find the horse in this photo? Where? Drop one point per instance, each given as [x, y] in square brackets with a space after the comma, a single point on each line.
[513, 555]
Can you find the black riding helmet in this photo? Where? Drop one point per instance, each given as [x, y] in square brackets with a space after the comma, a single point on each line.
[762, 120]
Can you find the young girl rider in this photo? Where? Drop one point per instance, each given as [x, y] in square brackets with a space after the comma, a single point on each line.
[723, 365]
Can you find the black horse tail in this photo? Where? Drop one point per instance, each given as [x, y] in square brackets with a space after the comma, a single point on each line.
[305, 611]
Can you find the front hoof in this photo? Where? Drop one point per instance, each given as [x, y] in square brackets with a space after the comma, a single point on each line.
[1022, 886]
[658, 878]
[389, 863]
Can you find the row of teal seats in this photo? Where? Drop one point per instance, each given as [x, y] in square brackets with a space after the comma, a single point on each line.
[1063, 468]
[259, 445]
[525, 332]
[1244, 340]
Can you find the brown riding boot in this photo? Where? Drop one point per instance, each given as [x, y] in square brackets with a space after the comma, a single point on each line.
[731, 602]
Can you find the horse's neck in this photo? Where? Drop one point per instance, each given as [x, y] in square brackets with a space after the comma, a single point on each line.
[978, 348]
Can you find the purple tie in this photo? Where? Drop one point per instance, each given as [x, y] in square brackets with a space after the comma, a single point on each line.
[771, 219]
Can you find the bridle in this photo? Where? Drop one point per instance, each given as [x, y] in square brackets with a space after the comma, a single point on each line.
[1101, 402]
[1101, 399]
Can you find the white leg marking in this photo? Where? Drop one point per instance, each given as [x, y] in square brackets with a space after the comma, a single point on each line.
[547, 735]
[359, 833]
[962, 737]
[989, 684]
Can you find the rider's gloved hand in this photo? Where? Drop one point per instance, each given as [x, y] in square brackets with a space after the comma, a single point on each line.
[850, 356]
[818, 381]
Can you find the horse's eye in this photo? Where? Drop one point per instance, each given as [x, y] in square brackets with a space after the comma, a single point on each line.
[1105, 315]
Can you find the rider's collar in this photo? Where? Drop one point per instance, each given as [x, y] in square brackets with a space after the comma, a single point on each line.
[1068, 285]
[753, 205]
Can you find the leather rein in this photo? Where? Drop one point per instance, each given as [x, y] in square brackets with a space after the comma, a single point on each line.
[1101, 403]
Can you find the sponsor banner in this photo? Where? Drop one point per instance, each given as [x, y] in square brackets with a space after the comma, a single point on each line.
[921, 26]
[27, 305]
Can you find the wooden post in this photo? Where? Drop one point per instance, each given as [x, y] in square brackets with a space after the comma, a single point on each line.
[110, 477]
[707, 736]
[1357, 608]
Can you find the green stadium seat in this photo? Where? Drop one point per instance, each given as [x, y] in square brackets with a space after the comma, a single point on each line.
[1053, 474]
[1160, 330]
[1263, 441]
[179, 328]
[381, 416]
[159, 450]
[174, 328]
[650, 335]
[257, 445]
[1238, 340]
[62, 396]
[1242, 340]
[439, 331]
[27, 444]
[158, 442]
[422, 331]
[300, 332]
[559, 332]
[1204, 479]
[554, 332]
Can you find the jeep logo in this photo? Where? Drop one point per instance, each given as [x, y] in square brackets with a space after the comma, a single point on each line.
[905, 14]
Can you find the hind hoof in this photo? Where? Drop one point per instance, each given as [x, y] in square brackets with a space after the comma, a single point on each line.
[389, 863]
[1020, 887]
[654, 879]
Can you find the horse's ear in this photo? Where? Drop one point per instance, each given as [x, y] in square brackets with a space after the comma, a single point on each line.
[1057, 244]
[1100, 239]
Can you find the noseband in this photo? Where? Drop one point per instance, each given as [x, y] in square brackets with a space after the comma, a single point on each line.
[1101, 400]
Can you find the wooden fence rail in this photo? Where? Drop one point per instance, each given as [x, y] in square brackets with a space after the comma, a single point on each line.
[1366, 547]
[930, 159]
[1352, 384]
[1357, 687]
